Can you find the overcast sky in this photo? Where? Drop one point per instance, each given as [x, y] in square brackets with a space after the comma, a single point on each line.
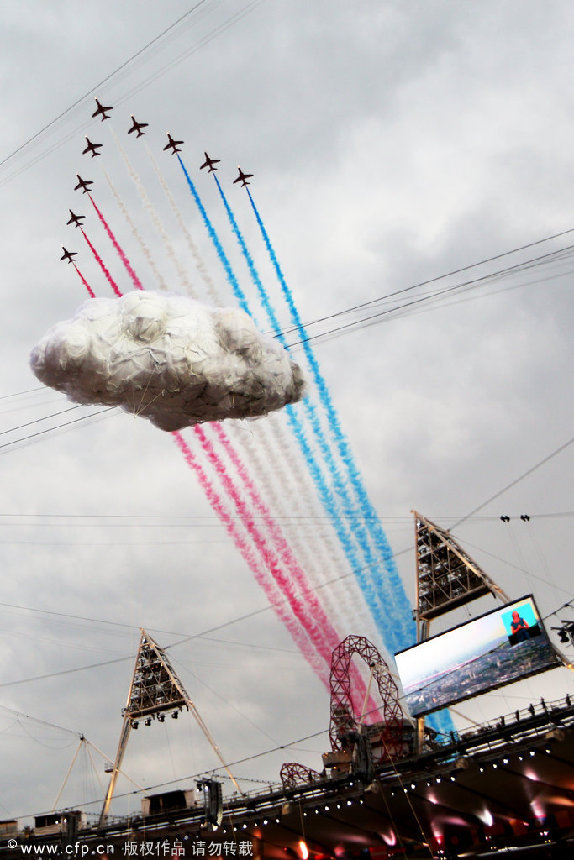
[391, 142]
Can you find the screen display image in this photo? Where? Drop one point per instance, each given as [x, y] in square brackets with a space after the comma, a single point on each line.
[495, 649]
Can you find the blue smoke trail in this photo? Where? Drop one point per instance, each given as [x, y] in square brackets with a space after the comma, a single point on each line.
[441, 721]
[386, 626]
[371, 518]
[237, 291]
[372, 599]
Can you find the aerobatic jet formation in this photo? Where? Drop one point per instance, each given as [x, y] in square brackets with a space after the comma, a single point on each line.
[76, 220]
[243, 178]
[173, 144]
[84, 184]
[92, 148]
[67, 255]
[210, 163]
[102, 110]
[137, 126]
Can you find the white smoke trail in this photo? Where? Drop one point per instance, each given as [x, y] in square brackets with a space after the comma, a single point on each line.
[328, 561]
[154, 217]
[136, 234]
[199, 261]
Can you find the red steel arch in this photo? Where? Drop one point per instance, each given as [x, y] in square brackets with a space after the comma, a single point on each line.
[387, 736]
[294, 774]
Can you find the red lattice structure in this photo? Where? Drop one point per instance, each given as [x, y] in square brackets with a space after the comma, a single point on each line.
[364, 745]
[386, 737]
[294, 774]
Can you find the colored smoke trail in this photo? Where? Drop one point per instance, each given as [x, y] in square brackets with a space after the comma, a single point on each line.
[374, 596]
[268, 557]
[237, 291]
[135, 280]
[198, 259]
[376, 531]
[102, 265]
[153, 215]
[296, 426]
[321, 623]
[145, 250]
[84, 282]
[299, 609]
[311, 559]
[274, 596]
[343, 599]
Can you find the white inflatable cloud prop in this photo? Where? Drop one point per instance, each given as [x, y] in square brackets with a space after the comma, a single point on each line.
[168, 358]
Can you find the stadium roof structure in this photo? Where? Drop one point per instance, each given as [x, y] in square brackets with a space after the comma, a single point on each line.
[447, 577]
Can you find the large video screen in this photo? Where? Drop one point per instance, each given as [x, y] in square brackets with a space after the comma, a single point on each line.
[495, 649]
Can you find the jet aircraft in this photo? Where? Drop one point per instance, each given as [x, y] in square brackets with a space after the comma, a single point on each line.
[210, 163]
[84, 184]
[92, 148]
[243, 177]
[102, 111]
[173, 144]
[137, 126]
[76, 220]
[67, 255]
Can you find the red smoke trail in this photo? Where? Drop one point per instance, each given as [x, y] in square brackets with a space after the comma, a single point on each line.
[315, 624]
[111, 281]
[321, 631]
[268, 554]
[136, 281]
[299, 636]
[84, 282]
[311, 617]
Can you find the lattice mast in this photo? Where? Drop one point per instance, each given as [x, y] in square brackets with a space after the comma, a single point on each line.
[154, 689]
[446, 578]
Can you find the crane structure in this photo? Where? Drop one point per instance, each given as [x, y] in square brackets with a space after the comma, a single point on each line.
[154, 689]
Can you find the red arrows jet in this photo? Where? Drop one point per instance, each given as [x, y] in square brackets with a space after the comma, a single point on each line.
[92, 148]
[173, 144]
[137, 126]
[67, 255]
[76, 220]
[210, 163]
[84, 184]
[243, 177]
[102, 111]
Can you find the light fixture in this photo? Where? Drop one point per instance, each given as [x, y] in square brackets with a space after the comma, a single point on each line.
[175, 715]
